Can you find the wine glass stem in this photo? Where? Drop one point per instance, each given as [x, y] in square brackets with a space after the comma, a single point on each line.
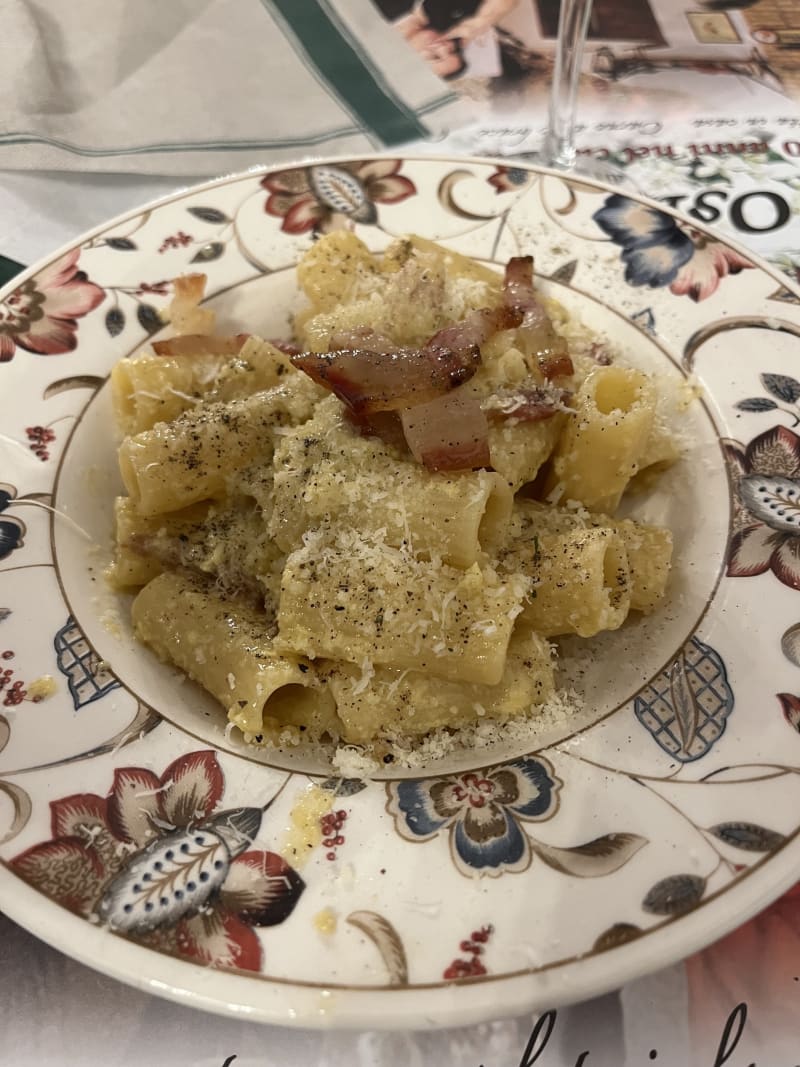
[573, 22]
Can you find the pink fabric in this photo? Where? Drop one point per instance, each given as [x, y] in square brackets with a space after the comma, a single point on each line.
[759, 965]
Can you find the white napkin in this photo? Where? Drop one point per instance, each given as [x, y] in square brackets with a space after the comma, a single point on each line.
[188, 87]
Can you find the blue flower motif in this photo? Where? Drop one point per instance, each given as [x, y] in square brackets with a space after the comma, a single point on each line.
[654, 247]
[482, 811]
[12, 532]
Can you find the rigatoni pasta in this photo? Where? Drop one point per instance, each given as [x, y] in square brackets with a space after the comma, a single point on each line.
[325, 575]
[221, 642]
[581, 581]
[178, 463]
[363, 601]
[388, 701]
[639, 563]
[153, 388]
[602, 446]
[451, 517]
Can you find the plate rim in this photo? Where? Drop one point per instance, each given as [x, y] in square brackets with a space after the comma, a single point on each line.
[278, 1002]
[54, 924]
[413, 157]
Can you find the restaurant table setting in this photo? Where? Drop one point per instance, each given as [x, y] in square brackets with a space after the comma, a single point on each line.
[225, 136]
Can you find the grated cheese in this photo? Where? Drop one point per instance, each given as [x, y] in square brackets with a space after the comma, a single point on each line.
[294, 533]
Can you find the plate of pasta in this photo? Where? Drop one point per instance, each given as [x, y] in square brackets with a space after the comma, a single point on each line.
[382, 544]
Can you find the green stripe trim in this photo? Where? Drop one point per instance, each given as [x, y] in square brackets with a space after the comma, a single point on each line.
[9, 268]
[23, 137]
[303, 58]
[374, 70]
[329, 46]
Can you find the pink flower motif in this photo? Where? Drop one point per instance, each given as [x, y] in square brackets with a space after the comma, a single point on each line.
[176, 240]
[509, 179]
[766, 522]
[711, 262]
[153, 861]
[790, 706]
[326, 197]
[41, 314]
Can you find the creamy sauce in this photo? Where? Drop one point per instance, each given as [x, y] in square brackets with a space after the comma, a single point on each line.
[325, 922]
[42, 688]
[304, 831]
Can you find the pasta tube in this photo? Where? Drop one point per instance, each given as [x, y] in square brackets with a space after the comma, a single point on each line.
[413, 703]
[149, 389]
[223, 645]
[368, 603]
[226, 540]
[131, 566]
[520, 450]
[649, 550]
[179, 463]
[581, 583]
[415, 289]
[648, 547]
[603, 444]
[450, 516]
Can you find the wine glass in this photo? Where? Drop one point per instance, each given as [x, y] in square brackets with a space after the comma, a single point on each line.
[558, 147]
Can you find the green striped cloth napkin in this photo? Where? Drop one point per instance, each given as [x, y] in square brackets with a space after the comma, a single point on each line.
[9, 268]
[193, 87]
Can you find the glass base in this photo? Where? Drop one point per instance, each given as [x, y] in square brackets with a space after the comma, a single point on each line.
[578, 166]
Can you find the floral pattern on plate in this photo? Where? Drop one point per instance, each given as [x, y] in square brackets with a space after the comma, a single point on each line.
[766, 476]
[686, 707]
[484, 814]
[481, 811]
[326, 197]
[88, 678]
[41, 314]
[657, 251]
[12, 535]
[509, 179]
[155, 860]
[649, 809]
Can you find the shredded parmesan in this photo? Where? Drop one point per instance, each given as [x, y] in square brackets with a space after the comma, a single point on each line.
[367, 674]
[383, 598]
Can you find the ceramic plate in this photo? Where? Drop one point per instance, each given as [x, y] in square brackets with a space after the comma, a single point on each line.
[620, 838]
